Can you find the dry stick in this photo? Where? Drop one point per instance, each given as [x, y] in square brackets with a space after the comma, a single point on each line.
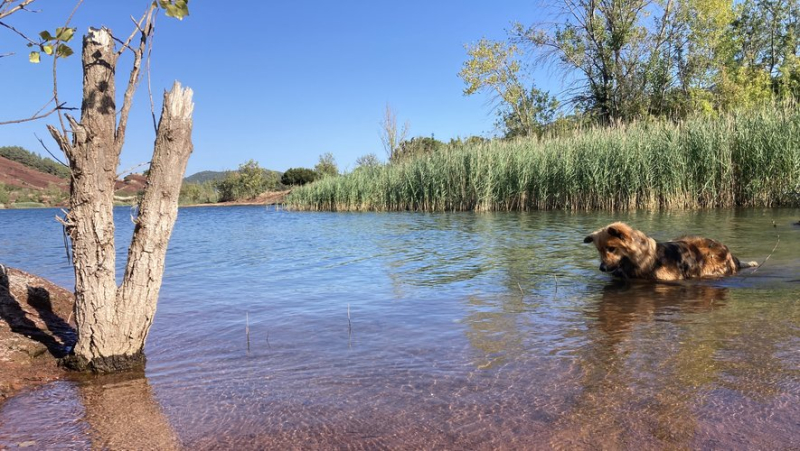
[349, 329]
[66, 242]
[556, 277]
[247, 328]
[133, 168]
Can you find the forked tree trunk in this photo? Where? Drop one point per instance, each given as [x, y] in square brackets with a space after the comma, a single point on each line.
[112, 323]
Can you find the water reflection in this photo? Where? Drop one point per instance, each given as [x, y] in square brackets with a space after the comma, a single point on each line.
[122, 413]
[99, 412]
[675, 366]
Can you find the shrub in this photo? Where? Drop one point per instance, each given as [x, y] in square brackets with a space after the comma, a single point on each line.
[198, 193]
[298, 176]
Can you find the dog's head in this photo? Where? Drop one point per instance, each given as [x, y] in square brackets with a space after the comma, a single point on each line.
[618, 245]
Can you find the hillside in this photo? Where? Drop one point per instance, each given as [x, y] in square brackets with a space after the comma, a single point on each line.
[23, 184]
[205, 176]
[34, 161]
[14, 174]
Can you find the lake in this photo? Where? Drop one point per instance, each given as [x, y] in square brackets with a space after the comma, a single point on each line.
[287, 330]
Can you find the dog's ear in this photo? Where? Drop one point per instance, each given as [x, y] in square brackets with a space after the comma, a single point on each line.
[616, 233]
[588, 239]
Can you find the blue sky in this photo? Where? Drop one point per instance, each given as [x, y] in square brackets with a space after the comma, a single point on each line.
[279, 82]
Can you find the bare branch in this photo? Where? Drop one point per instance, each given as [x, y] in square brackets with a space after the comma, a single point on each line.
[37, 115]
[133, 80]
[21, 34]
[48, 150]
[132, 168]
[149, 85]
[138, 29]
[55, 65]
[7, 3]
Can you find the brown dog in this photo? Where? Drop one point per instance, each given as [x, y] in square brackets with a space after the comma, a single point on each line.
[630, 254]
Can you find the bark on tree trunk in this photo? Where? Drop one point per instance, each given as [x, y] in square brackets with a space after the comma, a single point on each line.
[112, 323]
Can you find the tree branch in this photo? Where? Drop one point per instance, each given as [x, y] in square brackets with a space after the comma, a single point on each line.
[21, 34]
[55, 65]
[7, 12]
[133, 80]
[39, 114]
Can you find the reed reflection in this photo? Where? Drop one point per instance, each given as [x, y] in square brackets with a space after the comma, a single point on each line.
[641, 368]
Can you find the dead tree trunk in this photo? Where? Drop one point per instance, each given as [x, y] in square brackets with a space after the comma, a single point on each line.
[112, 323]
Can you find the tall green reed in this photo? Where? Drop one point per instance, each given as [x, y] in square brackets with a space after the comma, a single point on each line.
[748, 158]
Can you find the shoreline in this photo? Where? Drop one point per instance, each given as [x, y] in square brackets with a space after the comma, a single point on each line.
[36, 329]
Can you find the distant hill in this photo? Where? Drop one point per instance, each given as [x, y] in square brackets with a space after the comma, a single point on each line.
[16, 174]
[205, 176]
[34, 161]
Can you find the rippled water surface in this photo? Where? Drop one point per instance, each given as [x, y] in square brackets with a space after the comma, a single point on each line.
[419, 331]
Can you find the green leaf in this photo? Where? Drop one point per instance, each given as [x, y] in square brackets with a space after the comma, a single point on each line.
[176, 8]
[63, 51]
[48, 49]
[46, 35]
[34, 57]
[65, 34]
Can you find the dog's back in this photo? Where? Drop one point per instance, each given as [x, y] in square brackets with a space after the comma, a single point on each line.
[692, 256]
[628, 253]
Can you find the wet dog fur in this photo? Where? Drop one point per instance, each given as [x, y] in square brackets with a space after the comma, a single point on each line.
[630, 254]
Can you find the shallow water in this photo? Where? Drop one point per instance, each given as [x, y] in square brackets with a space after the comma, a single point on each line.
[481, 331]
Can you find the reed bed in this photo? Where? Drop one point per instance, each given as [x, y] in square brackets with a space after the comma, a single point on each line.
[749, 158]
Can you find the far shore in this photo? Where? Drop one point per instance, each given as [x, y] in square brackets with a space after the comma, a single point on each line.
[267, 198]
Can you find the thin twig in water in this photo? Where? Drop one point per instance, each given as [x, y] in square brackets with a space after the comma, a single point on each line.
[555, 276]
[247, 328]
[520, 289]
[768, 256]
[268, 346]
[349, 324]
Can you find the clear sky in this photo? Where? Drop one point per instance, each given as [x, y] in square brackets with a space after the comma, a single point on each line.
[278, 82]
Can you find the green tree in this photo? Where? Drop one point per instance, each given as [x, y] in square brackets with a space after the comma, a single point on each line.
[493, 67]
[609, 47]
[420, 145]
[369, 160]
[326, 167]
[298, 176]
[541, 108]
[247, 182]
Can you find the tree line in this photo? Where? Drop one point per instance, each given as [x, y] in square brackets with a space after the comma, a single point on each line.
[636, 59]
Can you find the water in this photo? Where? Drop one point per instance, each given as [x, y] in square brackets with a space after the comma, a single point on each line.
[480, 331]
